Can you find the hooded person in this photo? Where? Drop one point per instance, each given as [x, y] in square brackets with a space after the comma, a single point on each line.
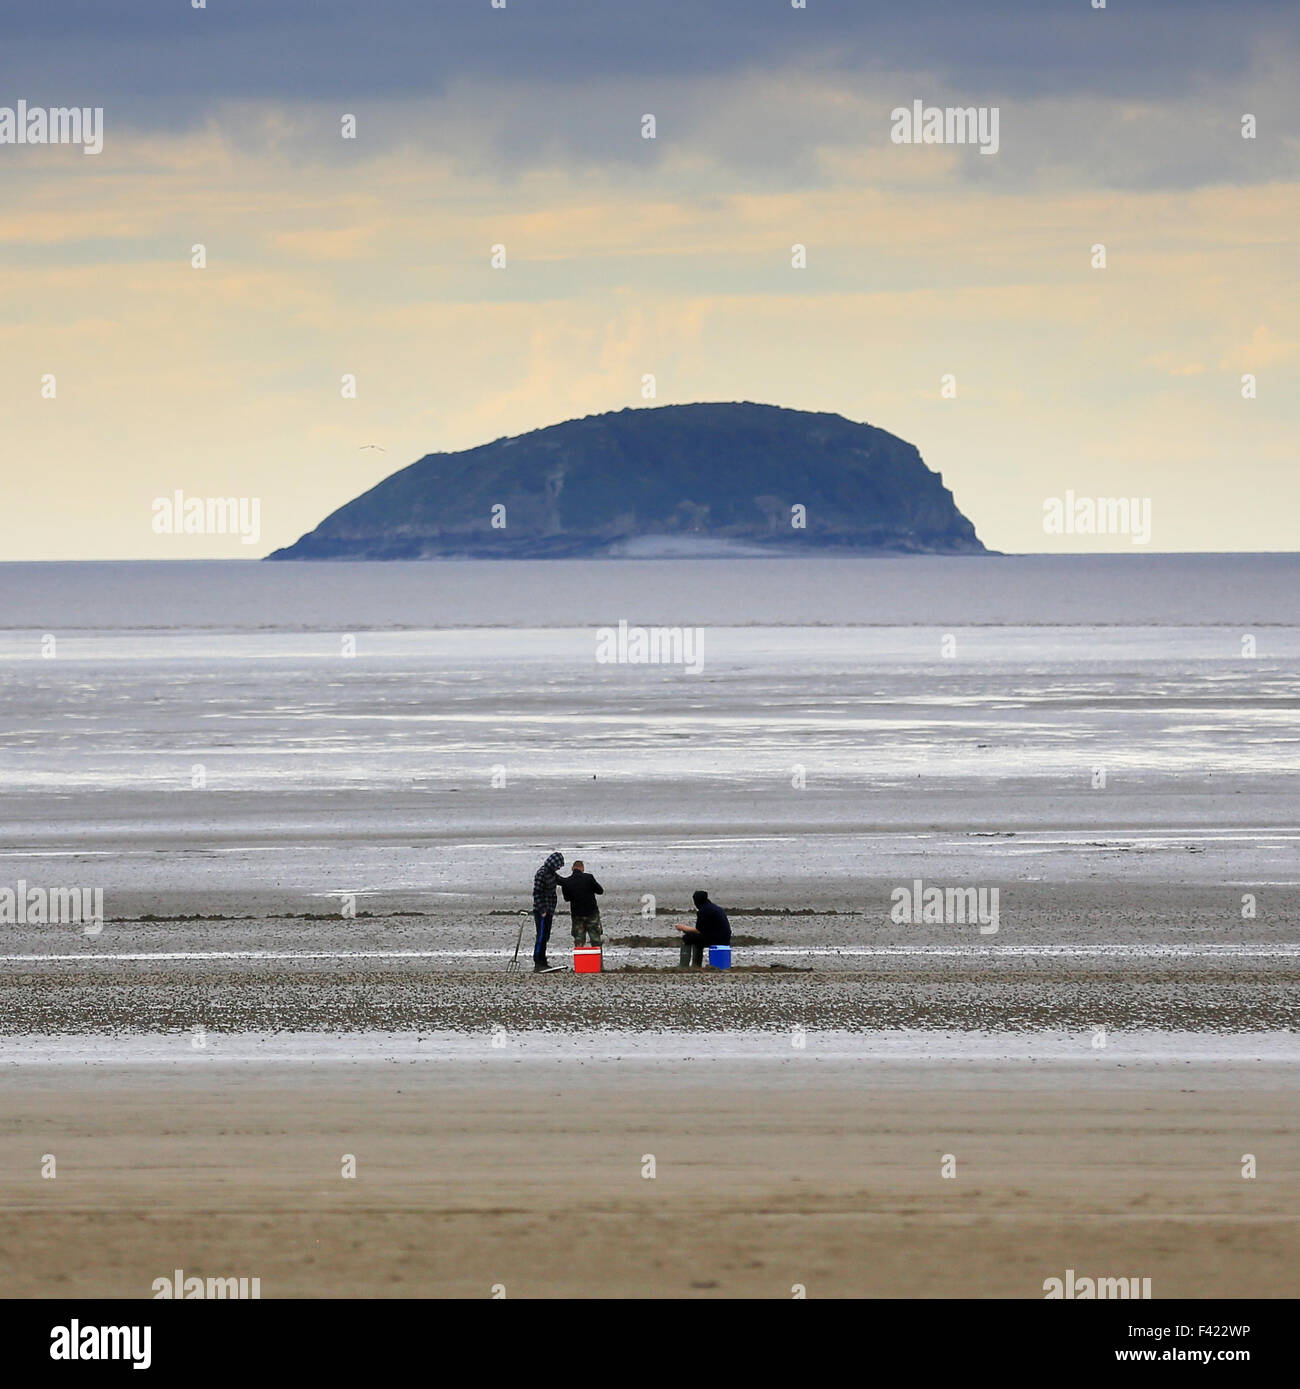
[544, 908]
[711, 928]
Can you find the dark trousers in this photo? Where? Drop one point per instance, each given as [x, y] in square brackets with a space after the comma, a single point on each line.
[692, 955]
[542, 920]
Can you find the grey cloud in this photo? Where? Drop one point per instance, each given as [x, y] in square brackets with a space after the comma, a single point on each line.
[563, 82]
[168, 63]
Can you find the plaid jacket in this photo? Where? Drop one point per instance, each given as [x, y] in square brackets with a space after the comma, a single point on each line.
[544, 884]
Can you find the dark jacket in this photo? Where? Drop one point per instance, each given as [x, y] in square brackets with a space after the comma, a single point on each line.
[544, 884]
[712, 924]
[580, 892]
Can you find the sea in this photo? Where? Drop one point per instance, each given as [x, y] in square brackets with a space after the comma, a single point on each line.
[197, 734]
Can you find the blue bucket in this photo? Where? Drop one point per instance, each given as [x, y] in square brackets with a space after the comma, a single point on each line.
[720, 957]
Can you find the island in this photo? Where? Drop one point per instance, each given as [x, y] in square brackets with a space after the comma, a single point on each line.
[732, 478]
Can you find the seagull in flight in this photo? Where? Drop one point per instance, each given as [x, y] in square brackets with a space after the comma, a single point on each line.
[363, 448]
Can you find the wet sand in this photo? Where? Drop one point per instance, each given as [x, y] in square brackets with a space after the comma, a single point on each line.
[1066, 956]
[354, 994]
[768, 1174]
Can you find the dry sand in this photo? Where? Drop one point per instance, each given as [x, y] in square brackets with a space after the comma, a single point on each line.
[768, 1174]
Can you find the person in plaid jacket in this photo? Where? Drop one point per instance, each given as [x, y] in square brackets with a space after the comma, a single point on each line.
[544, 908]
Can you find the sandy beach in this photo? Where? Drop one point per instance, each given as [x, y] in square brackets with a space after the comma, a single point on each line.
[314, 871]
[475, 1173]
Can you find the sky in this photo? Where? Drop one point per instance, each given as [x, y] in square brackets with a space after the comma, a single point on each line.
[950, 295]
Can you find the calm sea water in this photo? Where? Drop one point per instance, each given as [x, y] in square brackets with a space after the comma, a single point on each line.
[1031, 590]
[849, 715]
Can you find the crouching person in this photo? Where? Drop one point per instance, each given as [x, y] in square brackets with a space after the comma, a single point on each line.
[711, 928]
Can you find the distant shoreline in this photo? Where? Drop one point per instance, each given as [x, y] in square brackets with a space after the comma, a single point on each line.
[820, 554]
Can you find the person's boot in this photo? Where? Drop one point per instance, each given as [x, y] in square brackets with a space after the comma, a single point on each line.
[540, 966]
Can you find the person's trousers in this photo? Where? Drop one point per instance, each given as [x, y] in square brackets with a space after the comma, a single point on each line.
[542, 920]
[692, 956]
[587, 930]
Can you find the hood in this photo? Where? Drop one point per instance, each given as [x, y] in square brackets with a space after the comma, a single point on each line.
[555, 861]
